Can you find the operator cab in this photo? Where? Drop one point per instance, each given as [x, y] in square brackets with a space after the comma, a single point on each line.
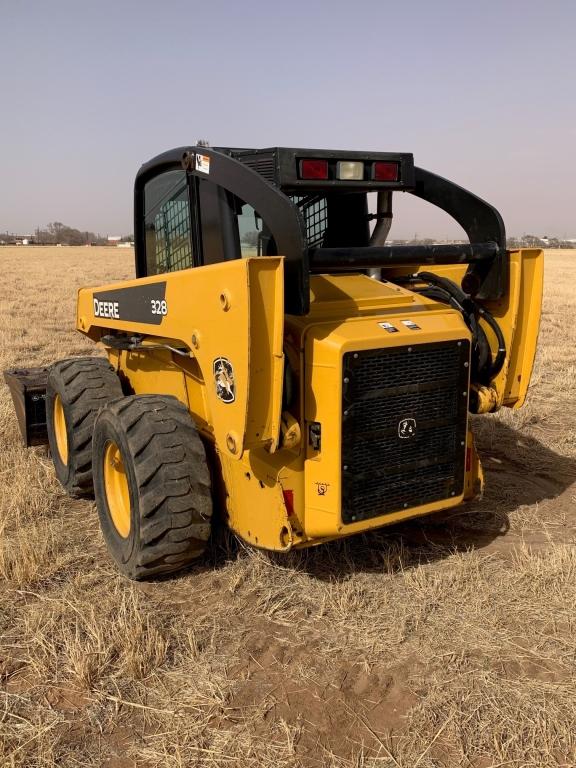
[199, 206]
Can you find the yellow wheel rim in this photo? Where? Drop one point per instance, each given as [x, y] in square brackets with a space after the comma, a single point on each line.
[116, 488]
[60, 430]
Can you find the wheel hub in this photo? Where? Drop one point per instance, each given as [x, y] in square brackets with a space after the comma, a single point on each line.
[60, 430]
[116, 488]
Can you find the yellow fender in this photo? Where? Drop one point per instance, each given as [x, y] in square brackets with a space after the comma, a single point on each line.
[230, 318]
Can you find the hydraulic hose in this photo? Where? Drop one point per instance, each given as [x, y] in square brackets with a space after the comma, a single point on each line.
[498, 363]
[445, 290]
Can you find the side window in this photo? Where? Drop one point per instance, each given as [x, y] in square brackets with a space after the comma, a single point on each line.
[167, 223]
[230, 228]
[255, 237]
[218, 223]
[249, 230]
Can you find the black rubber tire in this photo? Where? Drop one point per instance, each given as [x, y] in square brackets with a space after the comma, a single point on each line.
[85, 384]
[168, 480]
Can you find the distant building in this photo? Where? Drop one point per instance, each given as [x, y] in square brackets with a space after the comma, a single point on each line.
[114, 239]
[7, 238]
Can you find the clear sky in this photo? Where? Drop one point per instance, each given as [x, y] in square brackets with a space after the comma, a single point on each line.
[482, 92]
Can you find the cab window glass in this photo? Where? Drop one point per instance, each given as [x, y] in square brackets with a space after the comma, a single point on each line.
[255, 237]
[167, 223]
[218, 223]
[249, 230]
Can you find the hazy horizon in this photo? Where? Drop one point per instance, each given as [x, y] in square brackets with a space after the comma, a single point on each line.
[481, 94]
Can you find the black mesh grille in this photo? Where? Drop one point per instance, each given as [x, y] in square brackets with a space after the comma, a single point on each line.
[403, 427]
[424, 405]
[173, 245]
[314, 209]
[402, 491]
[389, 367]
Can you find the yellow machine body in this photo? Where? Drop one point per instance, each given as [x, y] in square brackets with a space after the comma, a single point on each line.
[281, 488]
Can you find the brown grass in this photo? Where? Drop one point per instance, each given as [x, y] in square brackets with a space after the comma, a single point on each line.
[443, 642]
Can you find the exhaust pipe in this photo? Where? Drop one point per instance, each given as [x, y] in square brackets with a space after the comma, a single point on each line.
[383, 218]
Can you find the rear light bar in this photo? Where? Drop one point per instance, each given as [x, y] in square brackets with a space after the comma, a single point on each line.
[317, 169]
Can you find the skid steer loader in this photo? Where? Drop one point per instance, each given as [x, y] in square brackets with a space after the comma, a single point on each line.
[274, 354]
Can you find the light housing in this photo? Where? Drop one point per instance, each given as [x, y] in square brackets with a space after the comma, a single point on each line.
[314, 169]
[385, 171]
[350, 170]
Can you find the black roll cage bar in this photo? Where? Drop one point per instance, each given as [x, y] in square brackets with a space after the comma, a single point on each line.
[486, 256]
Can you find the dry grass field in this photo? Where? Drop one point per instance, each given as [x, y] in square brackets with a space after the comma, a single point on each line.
[449, 641]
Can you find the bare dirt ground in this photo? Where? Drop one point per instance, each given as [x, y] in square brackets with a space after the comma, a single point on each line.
[444, 642]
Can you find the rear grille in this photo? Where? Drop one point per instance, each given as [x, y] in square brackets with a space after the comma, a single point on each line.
[403, 427]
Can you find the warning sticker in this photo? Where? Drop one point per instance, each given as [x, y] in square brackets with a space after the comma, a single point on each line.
[203, 163]
[411, 324]
[388, 327]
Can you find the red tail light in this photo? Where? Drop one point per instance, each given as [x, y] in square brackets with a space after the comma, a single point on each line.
[314, 169]
[385, 171]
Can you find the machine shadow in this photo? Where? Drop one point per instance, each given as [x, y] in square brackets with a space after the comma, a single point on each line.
[520, 471]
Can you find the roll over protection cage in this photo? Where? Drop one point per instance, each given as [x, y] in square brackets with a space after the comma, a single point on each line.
[262, 178]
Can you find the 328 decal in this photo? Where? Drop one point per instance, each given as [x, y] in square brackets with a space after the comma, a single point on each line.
[158, 307]
[135, 303]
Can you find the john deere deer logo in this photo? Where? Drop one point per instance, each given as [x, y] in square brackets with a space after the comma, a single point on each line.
[407, 428]
[224, 379]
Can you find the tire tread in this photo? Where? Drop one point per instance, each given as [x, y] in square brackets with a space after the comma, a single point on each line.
[85, 385]
[173, 478]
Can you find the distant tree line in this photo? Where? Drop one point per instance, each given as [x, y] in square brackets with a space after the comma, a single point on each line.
[533, 241]
[526, 241]
[58, 233]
